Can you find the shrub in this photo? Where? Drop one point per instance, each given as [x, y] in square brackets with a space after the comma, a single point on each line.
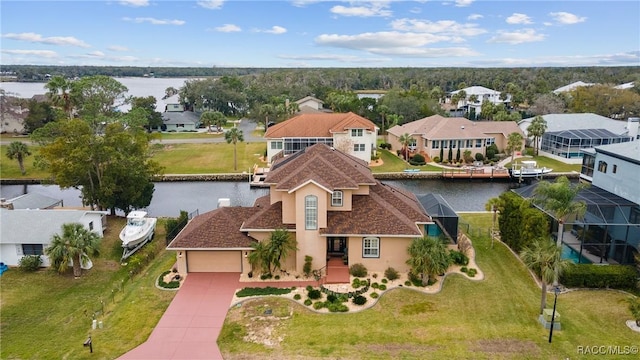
[297, 297]
[597, 276]
[375, 276]
[265, 276]
[173, 284]
[306, 268]
[30, 263]
[307, 302]
[358, 270]
[382, 287]
[343, 298]
[277, 277]
[384, 281]
[309, 288]
[415, 280]
[174, 226]
[464, 245]
[356, 283]
[375, 285]
[436, 159]
[391, 274]
[314, 294]
[417, 160]
[331, 298]
[472, 272]
[479, 157]
[359, 300]
[374, 295]
[464, 269]
[262, 291]
[337, 307]
[458, 258]
[318, 305]
[407, 283]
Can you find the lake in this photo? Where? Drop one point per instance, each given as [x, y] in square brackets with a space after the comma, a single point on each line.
[171, 197]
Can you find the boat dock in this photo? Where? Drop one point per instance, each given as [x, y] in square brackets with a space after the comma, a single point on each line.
[484, 172]
[256, 179]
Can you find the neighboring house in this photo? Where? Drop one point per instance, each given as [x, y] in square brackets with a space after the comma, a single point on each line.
[436, 132]
[11, 115]
[572, 87]
[328, 201]
[609, 232]
[309, 104]
[371, 94]
[180, 121]
[29, 232]
[568, 134]
[481, 94]
[33, 201]
[347, 132]
[625, 86]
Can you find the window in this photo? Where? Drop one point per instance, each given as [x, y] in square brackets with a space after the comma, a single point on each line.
[357, 132]
[435, 144]
[276, 145]
[491, 141]
[358, 147]
[310, 212]
[445, 144]
[371, 247]
[90, 225]
[452, 144]
[602, 166]
[615, 168]
[478, 143]
[336, 198]
[32, 249]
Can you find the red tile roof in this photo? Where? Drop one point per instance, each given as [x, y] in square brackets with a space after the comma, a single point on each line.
[318, 125]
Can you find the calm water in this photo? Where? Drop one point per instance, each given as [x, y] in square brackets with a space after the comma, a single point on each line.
[139, 87]
[171, 197]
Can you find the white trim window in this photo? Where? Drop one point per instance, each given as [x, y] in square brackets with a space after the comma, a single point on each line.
[336, 198]
[371, 247]
[311, 212]
[357, 132]
[358, 147]
[276, 145]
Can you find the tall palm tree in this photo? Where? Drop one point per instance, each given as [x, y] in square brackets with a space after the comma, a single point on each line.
[233, 136]
[559, 199]
[514, 143]
[75, 242]
[216, 118]
[537, 128]
[383, 110]
[405, 139]
[428, 257]
[544, 258]
[18, 150]
[59, 91]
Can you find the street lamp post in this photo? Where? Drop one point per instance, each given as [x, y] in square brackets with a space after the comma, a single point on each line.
[556, 291]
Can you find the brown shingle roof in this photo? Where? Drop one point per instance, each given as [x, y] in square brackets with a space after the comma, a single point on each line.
[267, 217]
[328, 167]
[215, 229]
[318, 125]
[439, 127]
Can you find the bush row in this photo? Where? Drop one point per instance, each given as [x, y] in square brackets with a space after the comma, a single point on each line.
[600, 276]
[262, 291]
[173, 284]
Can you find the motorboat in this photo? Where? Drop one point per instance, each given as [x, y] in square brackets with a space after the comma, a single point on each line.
[528, 169]
[139, 230]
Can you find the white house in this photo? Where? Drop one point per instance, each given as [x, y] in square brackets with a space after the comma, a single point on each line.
[481, 94]
[310, 102]
[29, 232]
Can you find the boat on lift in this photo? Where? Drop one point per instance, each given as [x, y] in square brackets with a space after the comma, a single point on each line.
[528, 169]
[138, 231]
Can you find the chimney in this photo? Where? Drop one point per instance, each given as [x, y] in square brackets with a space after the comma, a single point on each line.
[224, 202]
[632, 127]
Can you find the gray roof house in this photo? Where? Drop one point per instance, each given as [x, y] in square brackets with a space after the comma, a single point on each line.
[32, 201]
[29, 232]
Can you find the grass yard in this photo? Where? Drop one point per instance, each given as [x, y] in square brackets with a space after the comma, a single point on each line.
[557, 166]
[48, 316]
[9, 169]
[207, 158]
[188, 135]
[491, 319]
[393, 163]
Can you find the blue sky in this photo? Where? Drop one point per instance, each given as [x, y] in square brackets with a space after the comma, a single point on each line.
[308, 33]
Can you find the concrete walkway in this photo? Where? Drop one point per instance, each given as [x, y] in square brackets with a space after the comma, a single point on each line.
[191, 324]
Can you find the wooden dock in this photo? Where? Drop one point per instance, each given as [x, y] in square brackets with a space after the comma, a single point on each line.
[485, 173]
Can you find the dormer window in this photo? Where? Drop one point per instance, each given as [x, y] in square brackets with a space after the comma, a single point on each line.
[336, 198]
[357, 132]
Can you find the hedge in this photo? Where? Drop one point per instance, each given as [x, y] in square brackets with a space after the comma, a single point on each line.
[600, 276]
[262, 291]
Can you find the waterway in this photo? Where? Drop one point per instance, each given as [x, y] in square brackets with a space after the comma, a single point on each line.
[171, 197]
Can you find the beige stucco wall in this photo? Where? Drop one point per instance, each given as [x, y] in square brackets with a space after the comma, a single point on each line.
[346, 201]
[309, 241]
[288, 207]
[393, 253]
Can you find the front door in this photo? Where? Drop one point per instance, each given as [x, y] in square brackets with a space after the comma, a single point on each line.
[336, 246]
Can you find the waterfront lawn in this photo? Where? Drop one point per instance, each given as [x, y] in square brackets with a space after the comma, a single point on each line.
[208, 158]
[557, 166]
[189, 135]
[48, 316]
[393, 163]
[489, 319]
[9, 169]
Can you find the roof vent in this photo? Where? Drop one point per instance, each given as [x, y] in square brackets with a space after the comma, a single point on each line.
[462, 127]
[224, 202]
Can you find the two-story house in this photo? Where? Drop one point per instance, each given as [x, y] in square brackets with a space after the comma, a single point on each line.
[347, 132]
[331, 205]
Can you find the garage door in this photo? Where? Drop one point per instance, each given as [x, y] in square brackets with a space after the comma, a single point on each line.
[214, 261]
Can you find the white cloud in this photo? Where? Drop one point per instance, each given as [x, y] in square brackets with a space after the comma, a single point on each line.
[134, 3]
[335, 57]
[211, 4]
[38, 53]
[274, 30]
[228, 28]
[303, 3]
[449, 27]
[518, 18]
[566, 18]
[517, 37]
[629, 58]
[415, 10]
[117, 48]
[377, 8]
[463, 3]
[475, 17]
[153, 21]
[96, 54]
[52, 40]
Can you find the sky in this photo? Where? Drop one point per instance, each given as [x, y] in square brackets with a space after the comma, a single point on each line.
[314, 33]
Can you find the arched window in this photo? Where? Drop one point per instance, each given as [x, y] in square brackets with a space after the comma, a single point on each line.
[602, 166]
[336, 198]
[311, 212]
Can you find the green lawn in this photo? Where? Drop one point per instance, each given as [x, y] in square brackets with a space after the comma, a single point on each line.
[9, 169]
[489, 319]
[48, 316]
[208, 158]
[188, 135]
[393, 163]
[557, 166]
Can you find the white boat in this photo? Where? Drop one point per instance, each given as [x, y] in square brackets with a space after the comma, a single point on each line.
[528, 169]
[139, 229]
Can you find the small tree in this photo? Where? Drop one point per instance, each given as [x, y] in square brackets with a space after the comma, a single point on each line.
[210, 118]
[280, 245]
[634, 308]
[18, 150]
[537, 128]
[450, 156]
[428, 257]
[458, 155]
[308, 263]
[514, 143]
[74, 245]
[233, 136]
[405, 139]
[441, 153]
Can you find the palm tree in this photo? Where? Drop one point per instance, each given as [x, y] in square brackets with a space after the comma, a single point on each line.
[75, 242]
[59, 91]
[18, 150]
[233, 136]
[259, 257]
[405, 139]
[544, 258]
[428, 256]
[514, 143]
[383, 110]
[537, 128]
[209, 118]
[280, 245]
[494, 205]
[559, 199]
